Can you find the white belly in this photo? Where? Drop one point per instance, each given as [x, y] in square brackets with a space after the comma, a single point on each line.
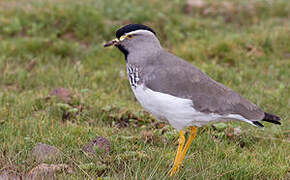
[177, 111]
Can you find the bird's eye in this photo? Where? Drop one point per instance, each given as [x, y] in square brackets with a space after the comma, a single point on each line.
[130, 36]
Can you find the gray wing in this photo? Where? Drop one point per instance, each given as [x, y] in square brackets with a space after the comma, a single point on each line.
[172, 75]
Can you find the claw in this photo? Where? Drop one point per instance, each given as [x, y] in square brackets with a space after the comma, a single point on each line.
[174, 170]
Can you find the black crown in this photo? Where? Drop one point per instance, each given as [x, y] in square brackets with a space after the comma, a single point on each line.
[132, 27]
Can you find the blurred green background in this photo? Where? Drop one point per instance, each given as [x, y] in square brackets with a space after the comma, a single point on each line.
[48, 44]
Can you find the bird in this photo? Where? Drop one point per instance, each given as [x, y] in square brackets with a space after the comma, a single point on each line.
[177, 92]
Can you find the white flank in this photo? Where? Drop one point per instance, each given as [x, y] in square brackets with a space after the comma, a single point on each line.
[178, 112]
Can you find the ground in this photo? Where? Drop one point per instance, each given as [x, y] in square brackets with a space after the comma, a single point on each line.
[50, 44]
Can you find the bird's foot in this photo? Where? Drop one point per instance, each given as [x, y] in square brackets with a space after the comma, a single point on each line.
[175, 169]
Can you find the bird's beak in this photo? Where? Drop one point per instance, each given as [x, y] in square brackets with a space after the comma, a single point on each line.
[113, 42]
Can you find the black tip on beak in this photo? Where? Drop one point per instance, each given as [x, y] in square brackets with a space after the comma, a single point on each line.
[109, 44]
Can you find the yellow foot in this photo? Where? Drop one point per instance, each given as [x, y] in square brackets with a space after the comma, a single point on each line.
[174, 170]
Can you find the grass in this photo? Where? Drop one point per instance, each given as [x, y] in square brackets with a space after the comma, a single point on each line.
[49, 44]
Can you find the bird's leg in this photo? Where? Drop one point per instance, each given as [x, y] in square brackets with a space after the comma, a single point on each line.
[178, 154]
[193, 131]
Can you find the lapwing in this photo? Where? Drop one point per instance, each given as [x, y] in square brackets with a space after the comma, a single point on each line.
[176, 91]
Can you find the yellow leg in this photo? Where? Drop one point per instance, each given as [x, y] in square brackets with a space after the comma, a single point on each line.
[193, 131]
[181, 153]
[178, 154]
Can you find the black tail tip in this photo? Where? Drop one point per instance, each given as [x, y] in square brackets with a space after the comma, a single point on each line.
[258, 124]
[271, 118]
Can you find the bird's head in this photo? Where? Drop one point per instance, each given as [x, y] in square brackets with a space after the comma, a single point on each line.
[135, 38]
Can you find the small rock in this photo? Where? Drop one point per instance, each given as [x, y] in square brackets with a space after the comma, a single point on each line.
[70, 35]
[287, 176]
[122, 74]
[195, 3]
[62, 93]
[100, 143]
[209, 10]
[44, 171]
[233, 132]
[31, 65]
[44, 152]
[12, 87]
[237, 131]
[148, 136]
[190, 4]
[287, 55]
[228, 6]
[7, 175]
[165, 140]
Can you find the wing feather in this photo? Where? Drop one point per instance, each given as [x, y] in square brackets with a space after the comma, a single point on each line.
[172, 75]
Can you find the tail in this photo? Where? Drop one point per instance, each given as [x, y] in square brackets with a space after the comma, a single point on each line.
[271, 118]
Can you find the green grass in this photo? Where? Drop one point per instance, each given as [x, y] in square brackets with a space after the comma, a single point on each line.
[50, 44]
